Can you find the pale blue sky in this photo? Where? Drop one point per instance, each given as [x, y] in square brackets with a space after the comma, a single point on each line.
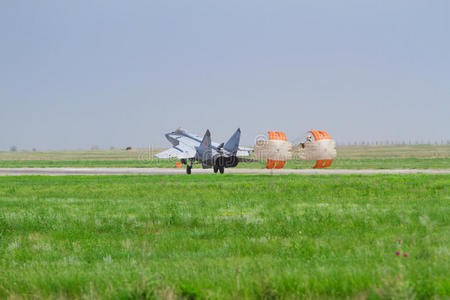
[115, 73]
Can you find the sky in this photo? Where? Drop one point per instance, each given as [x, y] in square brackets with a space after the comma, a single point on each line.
[74, 74]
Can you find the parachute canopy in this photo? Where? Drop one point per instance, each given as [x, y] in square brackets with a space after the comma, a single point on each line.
[277, 150]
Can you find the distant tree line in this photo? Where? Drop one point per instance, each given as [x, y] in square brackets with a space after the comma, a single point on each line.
[393, 142]
[14, 148]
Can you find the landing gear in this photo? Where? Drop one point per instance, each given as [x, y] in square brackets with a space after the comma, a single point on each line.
[219, 165]
[218, 168]
[189, 166]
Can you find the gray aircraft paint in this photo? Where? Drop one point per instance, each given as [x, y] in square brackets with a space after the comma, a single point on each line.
[191, 147]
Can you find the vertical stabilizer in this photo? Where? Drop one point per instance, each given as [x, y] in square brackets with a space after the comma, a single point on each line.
[233, 143]
[204, 151]
[206, 142]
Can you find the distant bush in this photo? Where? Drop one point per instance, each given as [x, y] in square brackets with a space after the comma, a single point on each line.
[13, 149]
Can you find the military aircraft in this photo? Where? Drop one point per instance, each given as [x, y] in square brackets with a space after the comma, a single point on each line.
[191, 148]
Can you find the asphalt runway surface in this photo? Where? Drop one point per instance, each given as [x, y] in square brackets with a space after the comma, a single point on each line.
[181, 171]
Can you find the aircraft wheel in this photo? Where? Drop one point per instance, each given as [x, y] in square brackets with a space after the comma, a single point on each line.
[222, 170]
[188, 169]
[216, 168]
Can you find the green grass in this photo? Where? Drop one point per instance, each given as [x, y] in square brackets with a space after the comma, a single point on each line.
[349, 157]
[390, 163]
[186, 236]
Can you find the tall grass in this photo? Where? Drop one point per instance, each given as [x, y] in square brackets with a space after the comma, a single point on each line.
[225, 236]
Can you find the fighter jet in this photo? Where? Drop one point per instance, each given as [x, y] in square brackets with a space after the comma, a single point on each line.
[191, 148]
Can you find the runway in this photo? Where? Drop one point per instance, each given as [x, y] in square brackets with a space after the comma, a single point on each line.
[168, 171]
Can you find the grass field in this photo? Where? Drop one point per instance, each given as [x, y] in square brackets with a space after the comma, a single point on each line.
[230, 236]
[349, 157]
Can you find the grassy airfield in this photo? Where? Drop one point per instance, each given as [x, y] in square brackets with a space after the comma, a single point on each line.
[349, 157]
[225, 236]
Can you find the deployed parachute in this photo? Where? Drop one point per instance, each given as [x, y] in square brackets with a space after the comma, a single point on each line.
[277, 150]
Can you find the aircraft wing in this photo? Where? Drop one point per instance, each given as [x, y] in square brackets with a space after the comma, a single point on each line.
[244, 151]
[178, 151]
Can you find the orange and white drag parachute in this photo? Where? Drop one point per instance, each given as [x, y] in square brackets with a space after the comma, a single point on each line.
[277, 149]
